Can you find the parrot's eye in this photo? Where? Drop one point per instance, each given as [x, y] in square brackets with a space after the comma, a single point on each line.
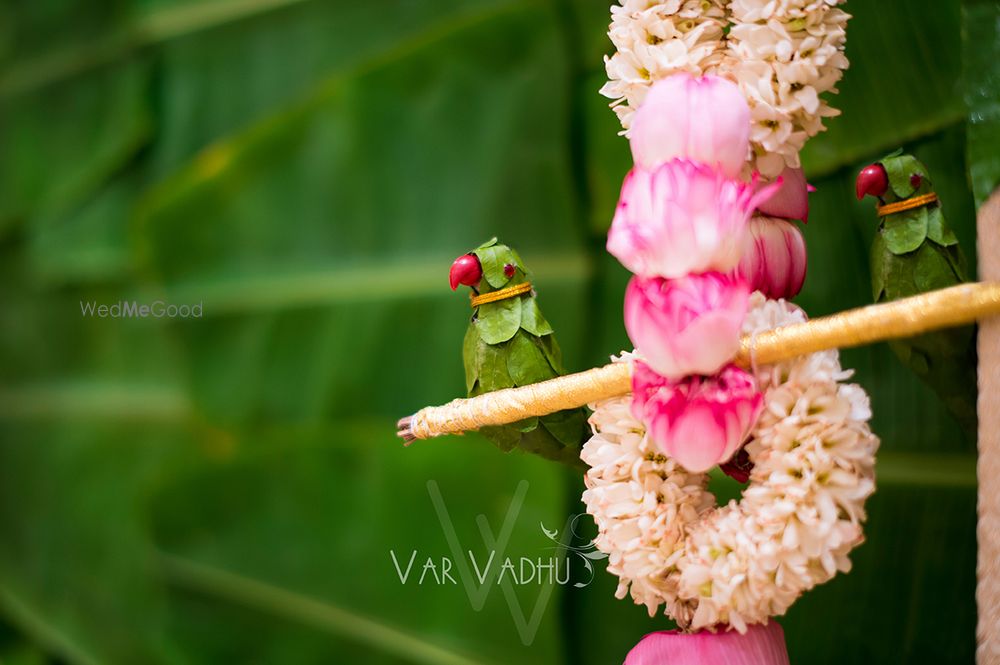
[465, 270]
[509, 270]
[915, 180]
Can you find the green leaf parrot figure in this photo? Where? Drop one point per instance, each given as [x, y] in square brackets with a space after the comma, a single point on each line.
[915, 251]
[509, 343]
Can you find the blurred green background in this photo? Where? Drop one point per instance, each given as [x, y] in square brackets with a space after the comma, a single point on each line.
[229, 489]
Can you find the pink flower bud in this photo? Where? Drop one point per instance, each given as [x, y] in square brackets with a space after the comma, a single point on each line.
[689, 325]
[759, 645]
[791, 201]
[705, 119]
[682, 218]
[775, 263]
[698, 421]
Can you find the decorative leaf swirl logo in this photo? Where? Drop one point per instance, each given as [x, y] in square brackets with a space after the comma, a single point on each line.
[587, 552]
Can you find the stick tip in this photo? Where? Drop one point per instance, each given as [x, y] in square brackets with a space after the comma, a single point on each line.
[404, 430]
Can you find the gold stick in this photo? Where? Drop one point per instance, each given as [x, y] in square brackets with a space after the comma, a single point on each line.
[954, 306]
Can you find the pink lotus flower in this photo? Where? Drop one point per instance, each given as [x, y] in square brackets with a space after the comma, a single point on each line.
[705, 119]
[760, 645]
[775, 262]
[681, 218]
[791, 200]
[689, 325]
[699, 421]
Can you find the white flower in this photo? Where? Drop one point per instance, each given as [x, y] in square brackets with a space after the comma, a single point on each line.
[654, 39]
[800, 517]
[785, 54]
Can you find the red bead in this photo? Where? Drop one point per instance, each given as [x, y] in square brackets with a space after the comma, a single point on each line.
[916, 180]
[509, 270]
[872, 181]
[465, 270]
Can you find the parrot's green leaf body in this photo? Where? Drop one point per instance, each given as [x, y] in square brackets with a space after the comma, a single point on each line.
[914, 252]
[509, 343]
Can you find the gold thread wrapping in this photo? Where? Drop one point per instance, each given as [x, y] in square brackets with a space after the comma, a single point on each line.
[908, 204]
[502, 294]
[954, 306]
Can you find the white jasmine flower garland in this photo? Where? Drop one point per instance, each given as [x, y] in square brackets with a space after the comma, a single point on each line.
[783, 53]
[813, 457]
[656, 38]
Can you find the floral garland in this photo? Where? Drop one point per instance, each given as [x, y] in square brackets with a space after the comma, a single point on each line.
[813, 467]
[784, 54]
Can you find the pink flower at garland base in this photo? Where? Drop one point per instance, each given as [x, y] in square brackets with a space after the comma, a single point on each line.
[775, 259]
[698, 421]
[760, 645]
[682, 217]
[705, 119]
[689, 325]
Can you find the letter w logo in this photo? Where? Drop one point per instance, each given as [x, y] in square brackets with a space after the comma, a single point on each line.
[486, 572]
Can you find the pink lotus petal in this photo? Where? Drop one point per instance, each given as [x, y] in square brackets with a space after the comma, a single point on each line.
[689, 325]
[704, 119]
[760, 645]
[699, 421]
[682, 217]
[791, 200]
[775, 261]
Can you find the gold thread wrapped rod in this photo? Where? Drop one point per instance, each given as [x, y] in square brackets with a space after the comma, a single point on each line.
[954, 306]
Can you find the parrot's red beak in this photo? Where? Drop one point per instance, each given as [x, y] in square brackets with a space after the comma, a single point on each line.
[872, 181]
[465, 270]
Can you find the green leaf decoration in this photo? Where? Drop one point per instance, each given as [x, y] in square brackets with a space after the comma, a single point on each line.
[933, 270]
[550, 347]
[489, 243]
[569, 427]
[879, 265]
[493, 259]
[493, 372]
[532, 319]
[901, 169]
[471, 356]
[937, 227]
[526, 362]
[905, 231]
[506, 438]
[498, 321]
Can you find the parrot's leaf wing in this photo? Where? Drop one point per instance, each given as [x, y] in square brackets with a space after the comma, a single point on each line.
[957, 261]
[526, 362]
[879, 266]
[905, 231]
[900, 169]
[470, 355]
[506, 437]
[569, 427]
[498, 321]
[527, 425]
[899, 282]
[532, 319]
[493, 259]
[550, 347]
[933, 270]
[937, 228]
[493, 374]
